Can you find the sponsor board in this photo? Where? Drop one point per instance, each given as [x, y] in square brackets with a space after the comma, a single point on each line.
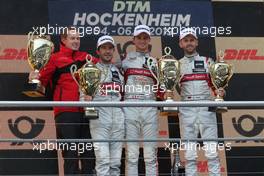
[13, 54]
[244, 123]
[25, 125]
[246, 54]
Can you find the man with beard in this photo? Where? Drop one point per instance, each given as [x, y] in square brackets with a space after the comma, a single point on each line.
[110, 124]
[195, 85]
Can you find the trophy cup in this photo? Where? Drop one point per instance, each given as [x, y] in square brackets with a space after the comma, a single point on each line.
[88, 79]
[168, 75]
[220, 73]
[39, 50]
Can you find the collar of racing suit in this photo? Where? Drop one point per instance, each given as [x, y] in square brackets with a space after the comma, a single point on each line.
[141, 54]
[100, 63]
[191, 55]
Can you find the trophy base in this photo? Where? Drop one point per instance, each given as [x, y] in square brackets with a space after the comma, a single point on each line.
[91, 113]
[220, 109]
[168, 113]
[169, 110]
[34, 90]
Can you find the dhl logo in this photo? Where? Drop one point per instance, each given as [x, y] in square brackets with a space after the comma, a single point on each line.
[242, 54]
[13, 54]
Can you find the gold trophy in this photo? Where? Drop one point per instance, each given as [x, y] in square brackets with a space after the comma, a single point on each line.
[220, 73]
[88, 79]
[168, 75]
[39, 50]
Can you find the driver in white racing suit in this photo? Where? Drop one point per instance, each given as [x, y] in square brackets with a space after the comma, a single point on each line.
[110, 124]
[140, 120]
[195, 85]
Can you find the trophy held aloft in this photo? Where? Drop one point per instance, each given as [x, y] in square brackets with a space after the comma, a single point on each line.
[39, 50]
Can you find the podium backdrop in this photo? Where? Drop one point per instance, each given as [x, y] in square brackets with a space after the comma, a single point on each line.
[241, 37]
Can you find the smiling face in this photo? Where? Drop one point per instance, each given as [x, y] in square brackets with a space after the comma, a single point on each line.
[72, 40]
[189, 44]
[141, 42]
[106, 52]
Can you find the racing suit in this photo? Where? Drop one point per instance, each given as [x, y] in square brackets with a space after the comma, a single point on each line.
[110, 124]
[138, 87]
[195, 85]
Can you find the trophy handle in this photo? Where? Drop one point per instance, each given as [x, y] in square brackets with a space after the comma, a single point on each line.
[231, 70]
[30, 39]
[153, 74]
[179, 82]
[89, 61]
[74, 70]
[231, 73]
[30, 35]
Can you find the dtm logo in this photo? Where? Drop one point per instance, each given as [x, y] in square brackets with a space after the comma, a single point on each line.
[35, 130]
[258, 126]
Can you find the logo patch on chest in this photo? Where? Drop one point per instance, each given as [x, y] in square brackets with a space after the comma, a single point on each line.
[115, 76]
[199, 67]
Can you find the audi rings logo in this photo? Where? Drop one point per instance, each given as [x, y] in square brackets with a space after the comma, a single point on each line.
[258, 126]
[35, 128]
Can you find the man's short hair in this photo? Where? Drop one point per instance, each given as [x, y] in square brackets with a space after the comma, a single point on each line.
[65, 31]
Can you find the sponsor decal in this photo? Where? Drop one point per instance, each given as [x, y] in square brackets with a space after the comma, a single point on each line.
[244, 53]
[244, 123]
[13, 54]
[25, 125]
